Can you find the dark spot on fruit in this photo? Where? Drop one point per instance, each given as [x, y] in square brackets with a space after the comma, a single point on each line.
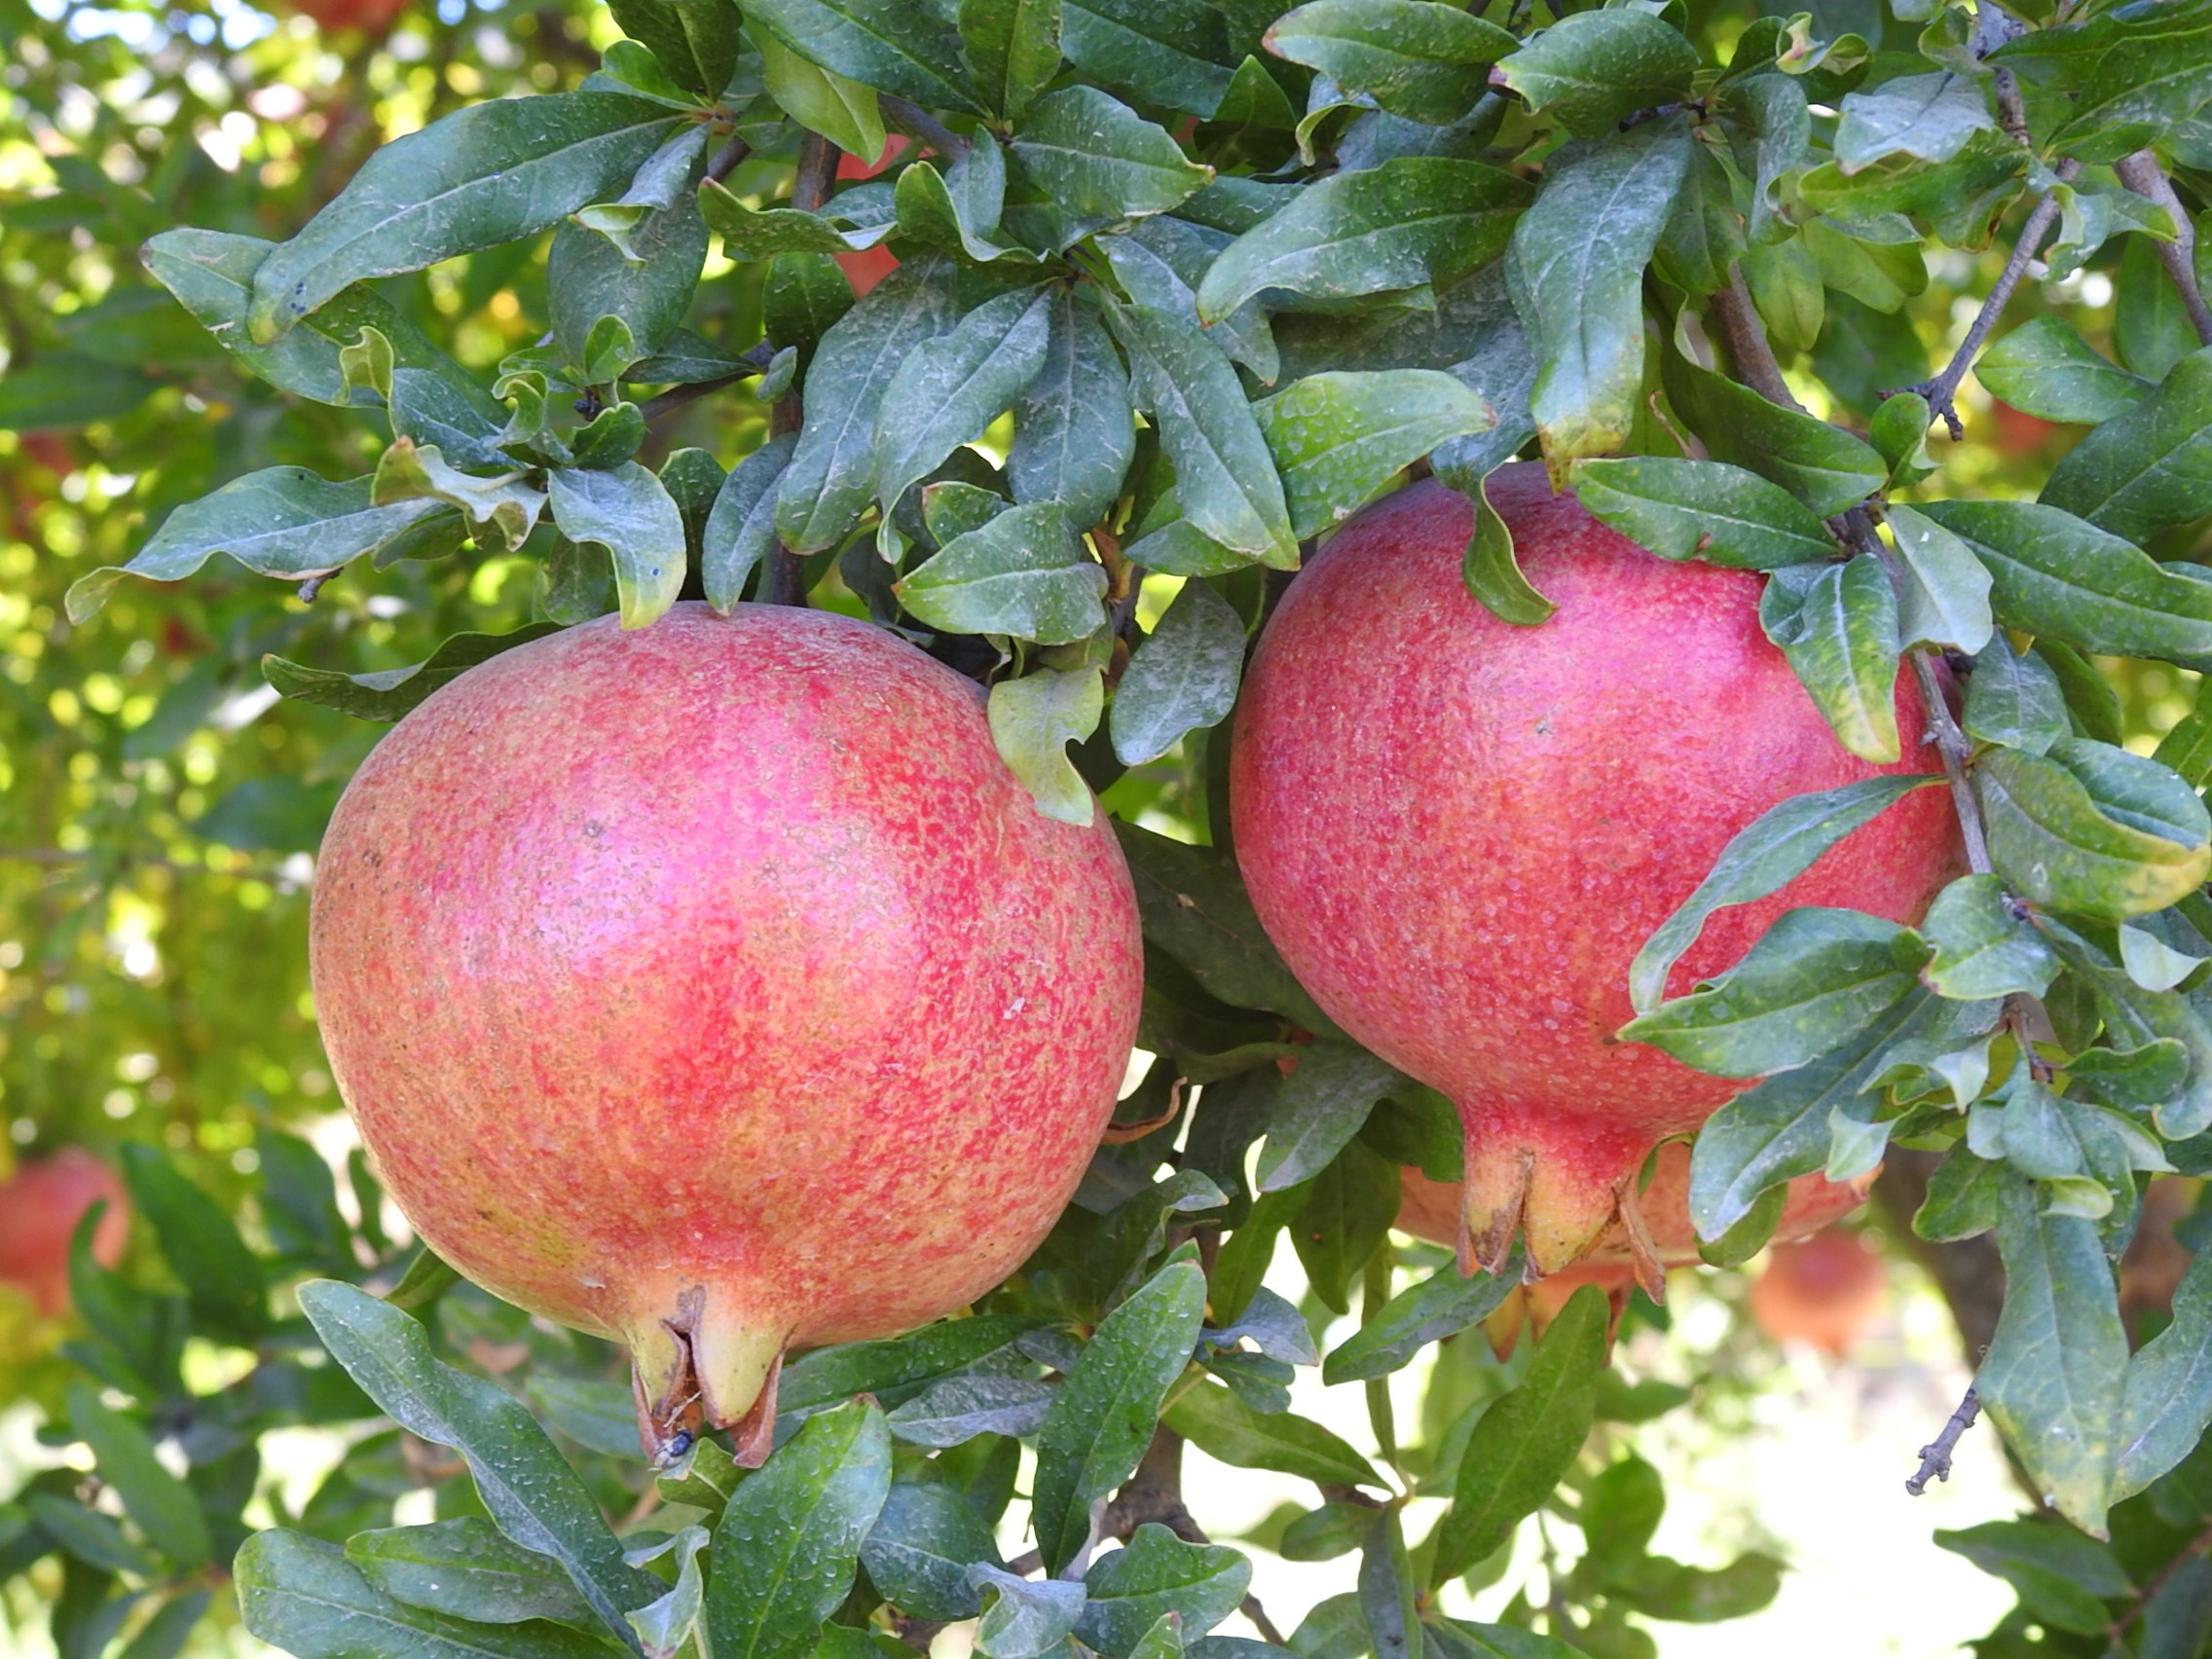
[594, 827]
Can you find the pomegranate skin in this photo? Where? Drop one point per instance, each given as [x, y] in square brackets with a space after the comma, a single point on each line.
[1459, 831]
[716, 988]
[40, 1206]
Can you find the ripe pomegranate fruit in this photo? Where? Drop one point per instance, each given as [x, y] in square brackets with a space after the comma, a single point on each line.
[373, 16]
[715, 986]
[40, 1208]
[1459, 831]
[868, 266]
[1824, 1290]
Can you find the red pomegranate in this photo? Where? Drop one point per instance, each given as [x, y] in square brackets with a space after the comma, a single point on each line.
[40, 1206]
[1459, 831]
[1824, 1290]
[869, 266]
[715, 986]
[373, 16]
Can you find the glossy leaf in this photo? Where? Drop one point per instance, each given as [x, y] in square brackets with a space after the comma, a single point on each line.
[957, 1409]
[1096, 158]
[1022, 574]
[1013, 50]
[1702, 509]
[1416, 59]
[919, 1551]
[2015, 699]
[2045, 369]
[1223, 1427]
[1928, 116]
[1837, 624]
[1023, 1619]
[1033, 719]
[1154, 1575]
[885, 44]
[1591, 69]
[2149, 468]
[1983, 949]
[1337, 438]
[949, 389]
[2092, 829]
[1182, 679]
[1824, 467]
[1318, 1110]
[1073, 428]
[2168, 1402]
[1946, 590]
[468, 1568]
[1441, 1306]
[629, 512]
[740, 528]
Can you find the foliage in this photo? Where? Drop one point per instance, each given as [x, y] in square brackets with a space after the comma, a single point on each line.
[1179, 287]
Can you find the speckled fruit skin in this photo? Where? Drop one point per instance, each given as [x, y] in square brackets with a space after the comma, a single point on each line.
[716, 988]
[1459, 831]
[40, 1206]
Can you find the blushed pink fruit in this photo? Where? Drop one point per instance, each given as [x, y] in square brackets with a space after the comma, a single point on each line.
[715, 986]
[40, 1208]
[1459, 831]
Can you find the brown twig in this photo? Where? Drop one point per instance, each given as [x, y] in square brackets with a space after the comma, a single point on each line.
[817, 172]
[2011, 112]
[1250, 1608]
[2142, 174]
[676, 397]
[728, 158]
[1737, 319]
[1935, 1456]
[911, 118]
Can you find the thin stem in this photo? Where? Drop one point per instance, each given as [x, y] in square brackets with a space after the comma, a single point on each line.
[728, 158]
[678, 396]
[817, 172]
[1936, 1456]
[2011, 112]
[2141, 173]
[1738, 321]
[910, 117]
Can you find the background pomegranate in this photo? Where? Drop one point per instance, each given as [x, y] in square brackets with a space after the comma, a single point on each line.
[1459, 831]
[40, 1206]
[1824, 1290]
[715, 986]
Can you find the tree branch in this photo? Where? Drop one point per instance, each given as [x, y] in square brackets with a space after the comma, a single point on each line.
[728, 158]
[911, 118]
[1936, 1456]
[1743, 335]
[817, 172]
[2142, 174]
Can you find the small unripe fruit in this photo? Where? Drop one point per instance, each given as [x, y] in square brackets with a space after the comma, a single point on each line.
[40, 1208]
[715, 986]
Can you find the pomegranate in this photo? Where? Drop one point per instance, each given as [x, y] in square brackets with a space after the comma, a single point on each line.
[373, 16]
[1459, 831]
[869, 266]
[1824, 1290]
[40, 1208]
[715, 986]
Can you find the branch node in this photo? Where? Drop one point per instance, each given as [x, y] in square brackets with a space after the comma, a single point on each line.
[1936, 1456]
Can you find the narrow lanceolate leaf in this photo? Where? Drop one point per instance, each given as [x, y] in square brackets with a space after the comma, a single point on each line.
[304, 1597]
[2053, 1378]
[2149, 468]
[1024, 574]
[1033, 719]
[1816, 979]
[1982, 948]
[469, 1568]
[1339, 437]
[949, 389]
[1589, 70]
[2061, 577]
[1837, 624]
[1947, 591]
[1488, 568]
[1013, 50]
[740, 529]
[386, 694]
[1416, 59]
[2015, 699]
[1171, 53]
[1225, 473]
[846, 113]
[1390, 1595]
[628, 511]
[787, 1546]
[2168, 1398]
[1319, 1108]
[762, 232]
[649, 286]
[1441, 1306]
[492, 173]
[1157, 1575]
[160, 1504]
[1526, 1442]
[668, 1625]
[538, 1501]
[1822, 466]
[890, 44]
[1578, 258]
[827, 481]
[1103, 1418]
[1097, 159]
[1764, 856]
[2092, 829]
[1182, 679]
[1928, 116]
[1410, 221]
[1074, 427]
[956, 1410]
[283, 522]
[1223, 1427]
[2045, 369]
[1702, 509]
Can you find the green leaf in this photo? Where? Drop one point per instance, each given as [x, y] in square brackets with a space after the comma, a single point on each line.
[1033, 719]
[494, 172]
[1154, 1575]
[282, 522]
[2063, 1579]
[1577, 259]
[1389, 1596]
[502, 512]
[1702, 509]
[1983, 949]
[160, 1504]
[1946, 590]
[1824, 467]
[2052, 1380]
[224, 1280]
[1525, 1443]
[647, 283]
[629, 512]
[536, 1499]
[740, 529]
[2045, 369]
[1225, 474]
[1024, 574]
[1337, 438]
[845, 112]
[2061, 577]
[2014, 699]
[165, 1635]
[920, 1549]
[1073, 428]
[2167, 1401]
[1424, 61]
[762, 232]
[2149, 468]
[1488, 568]
[667, 1626]
[1837, 624]
[1318, 1110]
[1349, 1210]
[1024, 1620]
[786, 1548]
[1223, 1427]
[2132, 75]
[829, 476]
[889, 45]
[951, 387]
[1590, 70]
[1182, 679]
[1011, 49]
[1663, 1589]
[958, 210]
[600, 1417]
[1441, 1306]
[1096, 158]
[1928, 117]
[386, 694]
[1102, 1419]
[303, 1595]
[956, 1410]
[1160, 262]
[1411, 220]
[1704, 235]
[1168, 52]
[2092, 829]
[468, 1568]
[898, 1370]
[802, 296]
